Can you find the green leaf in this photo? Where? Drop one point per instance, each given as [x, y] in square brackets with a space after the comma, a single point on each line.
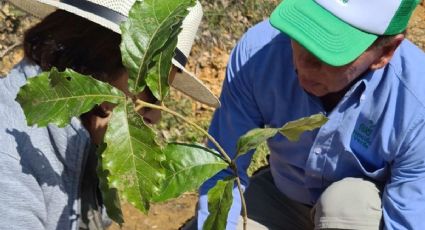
[132, 157]
[187, 167]
[157, 79]
[253, 138]
[293, 130]
[151, 27]
[110, 196]
[56, 97]
[219, 202]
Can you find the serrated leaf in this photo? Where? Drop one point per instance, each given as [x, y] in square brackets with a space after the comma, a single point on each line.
[293, 130]
[253, 139]
[187, 167]
[157, 79]
[133, 158]
[219, 202]
[56, 97]
[146, 33]
[110, 196]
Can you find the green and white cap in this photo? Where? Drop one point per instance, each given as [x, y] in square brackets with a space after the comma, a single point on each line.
[339, 31]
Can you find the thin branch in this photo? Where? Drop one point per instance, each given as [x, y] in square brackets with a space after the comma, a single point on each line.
[2, 14]
[244, 210]
[140, 104]
[9, 49]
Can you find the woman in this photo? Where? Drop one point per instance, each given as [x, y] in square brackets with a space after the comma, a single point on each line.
[48, 175]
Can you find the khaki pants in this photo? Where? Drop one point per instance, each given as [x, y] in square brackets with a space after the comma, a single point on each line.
[352, 203]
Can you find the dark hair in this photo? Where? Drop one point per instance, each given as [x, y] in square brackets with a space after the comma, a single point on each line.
[64, 40]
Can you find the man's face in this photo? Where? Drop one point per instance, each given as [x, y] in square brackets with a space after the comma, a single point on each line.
[320, 79]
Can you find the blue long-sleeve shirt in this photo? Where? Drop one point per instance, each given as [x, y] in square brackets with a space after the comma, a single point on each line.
[376, 131]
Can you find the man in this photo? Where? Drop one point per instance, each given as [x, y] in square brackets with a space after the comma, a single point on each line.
[363, 169]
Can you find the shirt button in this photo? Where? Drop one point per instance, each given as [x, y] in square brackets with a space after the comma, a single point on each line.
[317, 150]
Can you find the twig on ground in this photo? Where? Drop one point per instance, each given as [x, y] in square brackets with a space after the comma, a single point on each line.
[9, 49]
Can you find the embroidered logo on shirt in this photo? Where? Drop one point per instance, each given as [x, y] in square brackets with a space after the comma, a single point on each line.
[362, 134]
[344, 1]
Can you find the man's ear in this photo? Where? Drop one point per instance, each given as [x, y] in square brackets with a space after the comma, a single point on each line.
[386, 51]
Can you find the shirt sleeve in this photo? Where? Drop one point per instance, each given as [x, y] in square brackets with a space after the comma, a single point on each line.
[237, 115]
[404, 194]
[21, 199]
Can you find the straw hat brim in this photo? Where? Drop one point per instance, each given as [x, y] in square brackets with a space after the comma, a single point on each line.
[184, 80]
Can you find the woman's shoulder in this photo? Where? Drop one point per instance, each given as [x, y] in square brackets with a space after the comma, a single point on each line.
[17, 77]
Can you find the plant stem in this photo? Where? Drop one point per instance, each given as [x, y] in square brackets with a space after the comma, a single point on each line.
[140, 104]
[238, 182]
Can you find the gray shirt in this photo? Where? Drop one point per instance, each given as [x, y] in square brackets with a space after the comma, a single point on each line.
[41, 169]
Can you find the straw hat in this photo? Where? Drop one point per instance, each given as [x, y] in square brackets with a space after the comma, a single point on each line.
[111, 13]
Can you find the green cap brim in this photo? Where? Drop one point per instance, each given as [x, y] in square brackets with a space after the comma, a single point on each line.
[327, 37]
